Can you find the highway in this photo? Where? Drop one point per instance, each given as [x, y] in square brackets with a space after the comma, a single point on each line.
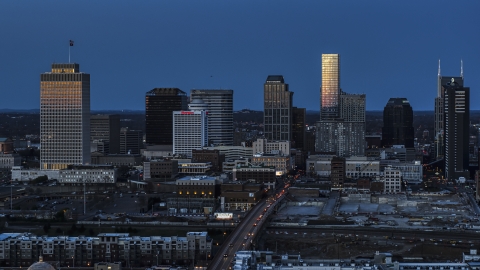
[241, 237]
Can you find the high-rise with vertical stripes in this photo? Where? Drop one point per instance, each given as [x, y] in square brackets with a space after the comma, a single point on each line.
[64, 117]
[277, 109]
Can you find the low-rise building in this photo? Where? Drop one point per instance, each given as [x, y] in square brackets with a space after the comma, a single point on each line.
[271, 147]
[282, 164]
[160, 169]
[393, 180]
[258, 174]
[198, 187]
[8, 161]
[19, 174]
[91, 174]
[23, 249]
[214, 157]
[98, 158]
[194, 168]
[240, 195]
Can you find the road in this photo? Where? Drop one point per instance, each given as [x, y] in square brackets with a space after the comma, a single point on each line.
[241, 237]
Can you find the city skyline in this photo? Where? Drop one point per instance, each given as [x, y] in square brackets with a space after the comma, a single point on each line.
[130, 49]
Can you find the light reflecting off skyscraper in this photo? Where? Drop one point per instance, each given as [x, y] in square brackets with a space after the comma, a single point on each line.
[64, 117]
[330, 88]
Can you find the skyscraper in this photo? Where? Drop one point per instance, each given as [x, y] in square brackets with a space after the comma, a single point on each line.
[159, 106]
[64, 117]
[277, 109]
[457, 127]
[190, 131]
[220, 114]
[439, 106]
[398, 123]
[330, 89]
[341, 129]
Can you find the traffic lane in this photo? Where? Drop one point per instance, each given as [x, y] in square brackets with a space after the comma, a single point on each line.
[241, 238]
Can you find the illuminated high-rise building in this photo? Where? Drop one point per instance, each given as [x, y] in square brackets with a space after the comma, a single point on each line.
[341, 129]
[64, 117]
[330, 89]
[277, 109]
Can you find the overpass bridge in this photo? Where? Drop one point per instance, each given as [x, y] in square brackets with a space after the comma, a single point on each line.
[243, 235]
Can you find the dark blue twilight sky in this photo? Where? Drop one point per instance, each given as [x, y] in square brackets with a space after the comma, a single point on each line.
[129, 47]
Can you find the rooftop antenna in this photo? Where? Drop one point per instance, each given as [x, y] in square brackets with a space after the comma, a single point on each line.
[71, 45]
[461, 68]
[439, 68]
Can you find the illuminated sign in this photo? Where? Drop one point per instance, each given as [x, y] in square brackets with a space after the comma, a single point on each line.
[186, 112]
[223, 215]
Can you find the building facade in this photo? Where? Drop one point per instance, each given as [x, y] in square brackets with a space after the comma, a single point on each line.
[131, 141]
[197, 187]
[258, 174]
[277, 109]
[89, 174]
[457, 129]
[158, 169]
[298, 127]
[271, 147]
[220, 115]
[190, 131]
[22, 249]
[398, 123]
[393, 180]
[64, 117]
[160, 103]
[341, 129]
[104, 127]
[330, 89]
[215, 158]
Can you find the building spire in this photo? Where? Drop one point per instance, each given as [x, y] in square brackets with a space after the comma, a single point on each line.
[439, 73]
[461, 68]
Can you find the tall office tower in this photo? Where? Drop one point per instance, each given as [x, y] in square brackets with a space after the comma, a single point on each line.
[131, 141]
[457, 127]
[298, 128]
[190, 131]
[330, 89]
[341, 129]
[398, 123]
[159, 106]
[220, 115]
[277, 109]
[106, 127]
[64, 117]
[439, 107]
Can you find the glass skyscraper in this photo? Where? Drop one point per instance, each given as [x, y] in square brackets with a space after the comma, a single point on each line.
[64, 117]
[330, 89]
[341, 129]
[160, 103]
